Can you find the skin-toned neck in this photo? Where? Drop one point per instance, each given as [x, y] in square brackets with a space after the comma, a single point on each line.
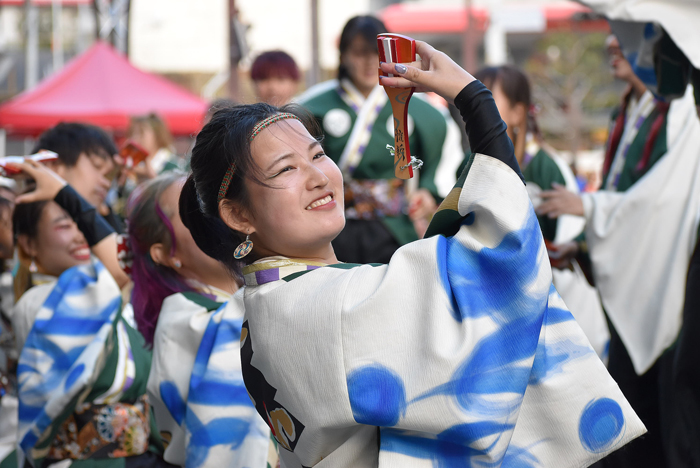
[217, 277]
[518, 142]
[638, 87]
[364, 90]
[324, 254]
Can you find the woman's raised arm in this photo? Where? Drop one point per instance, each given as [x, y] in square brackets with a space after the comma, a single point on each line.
[438, 73]
[98, 233]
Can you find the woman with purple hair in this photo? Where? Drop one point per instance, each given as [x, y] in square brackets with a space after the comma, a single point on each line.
[177, 290]
[165, 259]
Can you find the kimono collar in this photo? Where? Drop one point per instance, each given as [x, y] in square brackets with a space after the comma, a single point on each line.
[276, 268]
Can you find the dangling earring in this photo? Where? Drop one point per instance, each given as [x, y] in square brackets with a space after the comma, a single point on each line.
[32, 267]
[244, 248]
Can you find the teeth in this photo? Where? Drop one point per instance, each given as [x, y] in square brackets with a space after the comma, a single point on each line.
[320, 202]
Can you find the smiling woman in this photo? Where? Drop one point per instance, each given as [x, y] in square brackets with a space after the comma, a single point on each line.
[82, 368]
[459, 351]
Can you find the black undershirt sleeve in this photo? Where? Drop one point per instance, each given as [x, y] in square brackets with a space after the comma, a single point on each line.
[89, 221]
[485, 128]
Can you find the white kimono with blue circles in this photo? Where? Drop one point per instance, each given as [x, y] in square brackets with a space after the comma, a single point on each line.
[459, 352]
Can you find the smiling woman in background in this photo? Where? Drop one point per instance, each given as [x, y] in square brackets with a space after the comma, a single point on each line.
[82, 369]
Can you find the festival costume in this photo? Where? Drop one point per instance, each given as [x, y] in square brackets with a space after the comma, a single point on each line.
[82, 375]
[457, 351]
[357, 131]
[202, 408]
[540, 170]
[660, 39]
[640, 235]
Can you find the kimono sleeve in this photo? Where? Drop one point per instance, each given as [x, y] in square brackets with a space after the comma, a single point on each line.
[460, 349]
[181, 325]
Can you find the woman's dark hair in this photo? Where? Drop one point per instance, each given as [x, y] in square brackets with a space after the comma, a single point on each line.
[366, 27]
[515, 86]
[25, 221]
[274, 63]
[225, 140]
[147, 225]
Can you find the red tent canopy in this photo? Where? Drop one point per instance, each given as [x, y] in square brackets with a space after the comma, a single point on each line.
[101, 87]
[449, 19]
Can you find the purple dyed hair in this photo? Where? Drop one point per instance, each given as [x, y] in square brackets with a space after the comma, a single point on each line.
[147, 225]
[275, 63]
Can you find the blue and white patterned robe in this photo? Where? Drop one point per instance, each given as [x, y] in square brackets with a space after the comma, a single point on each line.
[459, 352]
[196, 388]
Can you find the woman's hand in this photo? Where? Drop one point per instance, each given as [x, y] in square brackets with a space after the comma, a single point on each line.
[434, 72]
[561, 256]
[48, 183]
[560, 201]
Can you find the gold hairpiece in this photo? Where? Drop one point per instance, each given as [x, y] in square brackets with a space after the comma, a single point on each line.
[259, 127]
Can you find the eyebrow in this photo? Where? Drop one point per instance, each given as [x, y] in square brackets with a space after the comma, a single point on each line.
[289, 155]
[60, 218]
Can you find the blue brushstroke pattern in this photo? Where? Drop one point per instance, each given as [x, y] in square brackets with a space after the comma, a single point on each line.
[218, 389]
[172, 400]
[550, 359]
[452, 448]
[220, 431]
[492, 280]
[600, 425]
[377, 396]
[49, 357]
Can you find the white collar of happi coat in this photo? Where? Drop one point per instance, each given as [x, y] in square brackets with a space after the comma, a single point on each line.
[637, 113]
[367, 111]
[275, 268]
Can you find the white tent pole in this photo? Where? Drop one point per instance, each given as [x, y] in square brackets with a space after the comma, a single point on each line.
[57, 34]
[31, 19]
[3, 142]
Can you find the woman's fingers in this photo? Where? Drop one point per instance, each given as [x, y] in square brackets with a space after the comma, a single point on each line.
[424, 49]
[48, 183]
[435, 72]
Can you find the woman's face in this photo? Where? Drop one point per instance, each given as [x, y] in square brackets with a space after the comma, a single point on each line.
[362, 62]
[145, 136]
[59, 244]
[301, 210]
[186, 250]
[276, 90]
[512, 114]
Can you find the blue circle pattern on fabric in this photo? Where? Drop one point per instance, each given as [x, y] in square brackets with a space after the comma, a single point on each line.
[601, 424]
[377, 396]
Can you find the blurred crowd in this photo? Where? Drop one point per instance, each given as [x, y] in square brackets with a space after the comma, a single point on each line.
[113, 211]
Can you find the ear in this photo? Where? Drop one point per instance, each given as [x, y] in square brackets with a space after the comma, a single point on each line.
[160, 255]
[27, 245]
[235, 217]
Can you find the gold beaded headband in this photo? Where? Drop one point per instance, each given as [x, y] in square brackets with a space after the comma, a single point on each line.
[259, 127]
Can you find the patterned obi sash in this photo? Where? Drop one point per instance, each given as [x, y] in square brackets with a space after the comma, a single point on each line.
[103, 431]
[374, 199]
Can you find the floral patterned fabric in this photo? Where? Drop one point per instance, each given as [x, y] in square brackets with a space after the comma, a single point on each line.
[103, 431]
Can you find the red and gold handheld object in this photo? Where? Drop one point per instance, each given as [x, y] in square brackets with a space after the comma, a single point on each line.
[397, 48]
[132, 154]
